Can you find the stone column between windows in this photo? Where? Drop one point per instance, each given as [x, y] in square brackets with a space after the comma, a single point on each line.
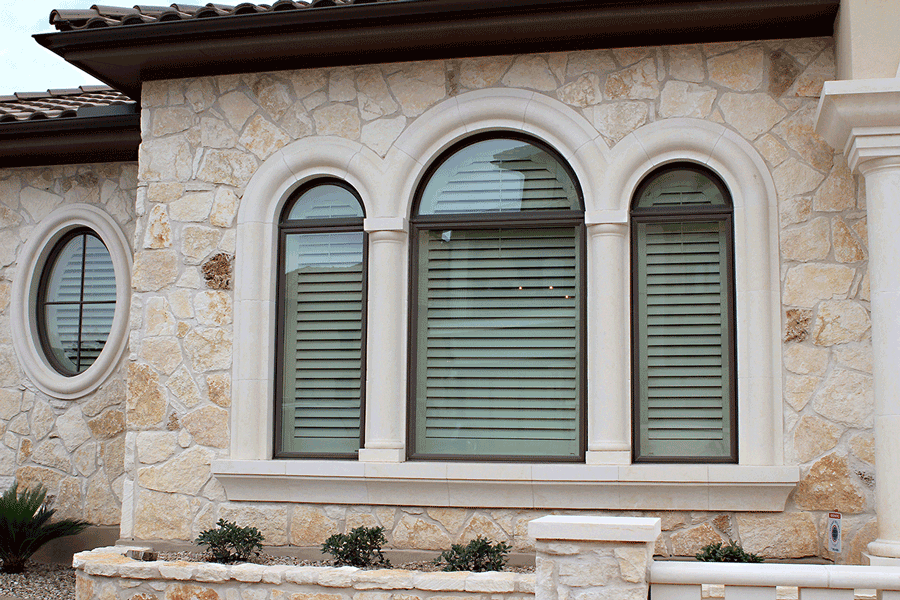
[386, 345]
[863, 119]
[608, 320]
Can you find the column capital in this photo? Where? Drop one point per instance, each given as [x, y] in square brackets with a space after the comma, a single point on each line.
[374, 224]
[861, 118]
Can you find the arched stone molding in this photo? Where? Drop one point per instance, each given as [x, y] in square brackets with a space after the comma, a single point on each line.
[31, 264]
[760, 426]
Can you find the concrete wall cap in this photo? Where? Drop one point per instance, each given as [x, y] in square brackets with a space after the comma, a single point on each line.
[595, 529]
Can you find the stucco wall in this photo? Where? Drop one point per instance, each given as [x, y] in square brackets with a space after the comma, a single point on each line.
[74, 447]
[205, 138]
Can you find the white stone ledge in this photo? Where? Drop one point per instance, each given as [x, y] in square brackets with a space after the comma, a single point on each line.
[846, 577]
[511, 485]
[595, 529]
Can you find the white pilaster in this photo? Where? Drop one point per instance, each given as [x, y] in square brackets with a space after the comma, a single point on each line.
[386, 342]
[609, 377]
[862, 118]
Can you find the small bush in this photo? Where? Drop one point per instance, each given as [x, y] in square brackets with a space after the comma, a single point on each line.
[25, 526]
[359, 548]
[732, 553]
[228, 542]
[478, 555]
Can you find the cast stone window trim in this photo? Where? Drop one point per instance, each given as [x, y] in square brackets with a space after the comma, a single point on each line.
[31, 265]
[608, 180]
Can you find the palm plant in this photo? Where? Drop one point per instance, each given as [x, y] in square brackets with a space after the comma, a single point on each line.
[25, 526]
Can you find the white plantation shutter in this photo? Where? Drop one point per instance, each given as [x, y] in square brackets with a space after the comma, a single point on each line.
[498, 326]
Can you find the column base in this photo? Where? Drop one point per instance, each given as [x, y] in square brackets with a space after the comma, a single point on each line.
[884, 550]
[383, 455]
[881, 561]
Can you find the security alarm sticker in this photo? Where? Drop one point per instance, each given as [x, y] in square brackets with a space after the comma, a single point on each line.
[834, 532]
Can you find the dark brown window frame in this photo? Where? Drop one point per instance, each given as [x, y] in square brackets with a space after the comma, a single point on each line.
[683, 214]
[286, 227]
[494, 220]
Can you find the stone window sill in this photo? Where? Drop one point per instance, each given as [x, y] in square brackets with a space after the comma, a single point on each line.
[492, 485]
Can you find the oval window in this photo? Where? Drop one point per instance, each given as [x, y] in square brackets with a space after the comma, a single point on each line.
[76, 301]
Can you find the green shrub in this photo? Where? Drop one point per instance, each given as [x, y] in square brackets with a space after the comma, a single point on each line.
[731, 553]
[228, 542]
[478, 555]
[25, 526]
[359, 548]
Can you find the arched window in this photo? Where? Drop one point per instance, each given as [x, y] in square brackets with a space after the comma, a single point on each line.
[76, 301]
[321, 314]
[498, 297]
[683, 325]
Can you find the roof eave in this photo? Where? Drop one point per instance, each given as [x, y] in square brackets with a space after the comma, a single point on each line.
[73, 140]
[126, 56]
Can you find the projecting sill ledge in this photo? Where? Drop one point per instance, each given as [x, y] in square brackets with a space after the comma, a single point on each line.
[492, 485]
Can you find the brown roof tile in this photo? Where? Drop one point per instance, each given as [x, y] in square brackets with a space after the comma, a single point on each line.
[114, 16]
[31, 106]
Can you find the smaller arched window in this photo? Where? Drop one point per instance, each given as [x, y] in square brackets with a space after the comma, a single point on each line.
[684, 317]
[321, 315]
[76, 301]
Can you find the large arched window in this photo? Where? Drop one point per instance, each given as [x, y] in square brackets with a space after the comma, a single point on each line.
[683, 323]
[498, 297]
[321, 333]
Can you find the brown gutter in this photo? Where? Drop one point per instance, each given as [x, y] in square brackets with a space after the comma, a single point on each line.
[126, 56]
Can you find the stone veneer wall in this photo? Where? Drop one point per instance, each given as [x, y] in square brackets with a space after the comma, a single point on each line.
[74, 447]
[204, 138]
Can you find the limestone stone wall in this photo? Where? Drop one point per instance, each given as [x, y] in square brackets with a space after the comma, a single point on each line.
[205, 137]
[74, 447]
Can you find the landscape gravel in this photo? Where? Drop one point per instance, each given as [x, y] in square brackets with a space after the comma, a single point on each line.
[40, 582]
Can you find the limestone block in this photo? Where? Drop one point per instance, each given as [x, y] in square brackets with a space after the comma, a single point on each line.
[231, 167]
[634, 83]
[681, 99]
[19, 424]
[50, 453]
[310, 526]
[854, 356]
[860, 543]
[273, 96]
[208, 425]
[182, 306]
[113, 452]
[805, 49]
[9, 242]
[783, 70]
[8, 460]
[481, 525]
[813, 437]
[155, 446]
[171, 120]
[85, 458]
[584, 91]
[42, 420]
[689, 542]
[629, 56]
[810, 82]
[589, 61]
[165, 159]
[686, 63]
[359, 519]
[145, 402]
[839, 322]
[413, 532]
[184, 388]
[192, 207]
[262, 138]
[581, 571]
[108, 425]
[219, 388]
[805, 360]
[529, 72]
[829, 486]
[5, 288]
[307, 81]
[159, 320]
[10, 373]
[237, 108]
[154, 270]
[31, 477]
[482, 72]
[616, 120]
[798, 391]
[780, 535]
[187, 473]
[72, 429]
[38, 203]
[633, 563]
[846, 397]
[297, 123]
[793, 177]
[338, 119]
[101, 507]
[209, 349]
[451, 518]
[806, 284]
[224, 208]
[271, 520]
[162, 353]
[198, 242]
[216, 133]
[794, 210]
[213, 308]
[201, 94]
[846, 248]
[806, 243]
[10, 403]
[741, 70]
[798, 132]
[68, 501]
[379, 135]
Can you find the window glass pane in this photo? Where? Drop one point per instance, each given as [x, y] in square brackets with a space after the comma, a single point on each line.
[681, 187]
[499, 176]
[498, 347]
[322, 333]
[78, 303]
[326, 201]
[683, 337]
